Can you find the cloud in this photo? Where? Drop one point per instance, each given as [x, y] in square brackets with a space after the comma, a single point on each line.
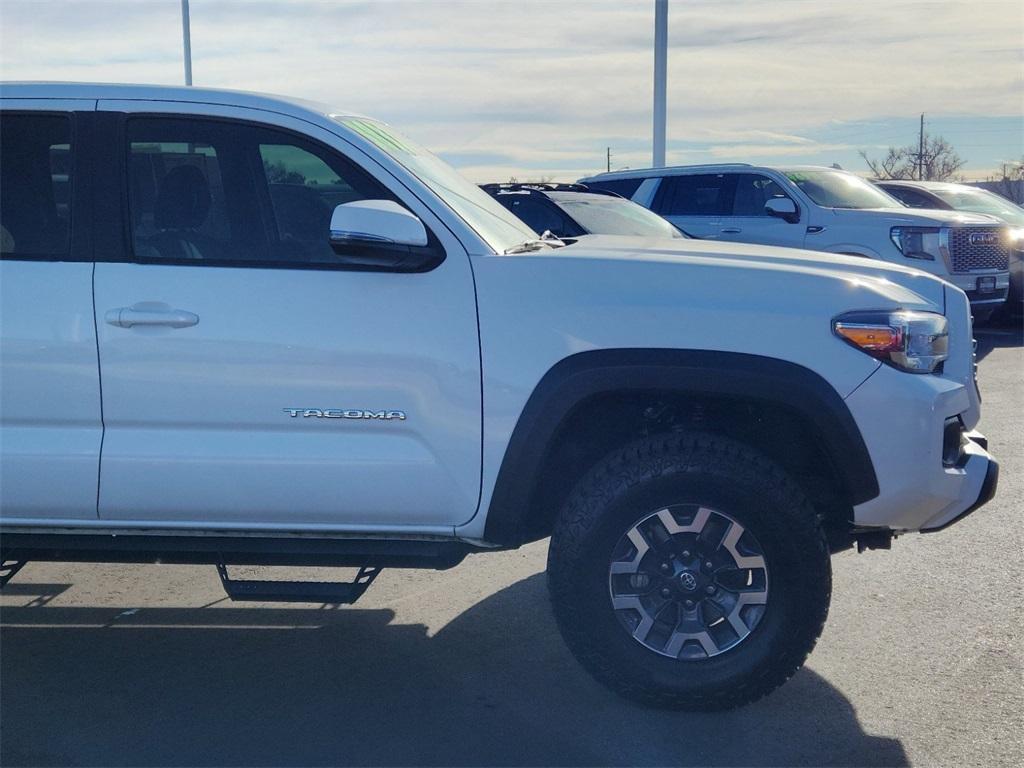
[548, 85]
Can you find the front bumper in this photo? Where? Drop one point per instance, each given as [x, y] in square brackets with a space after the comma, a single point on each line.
[902, 418]
[989, 288]
[985, 495]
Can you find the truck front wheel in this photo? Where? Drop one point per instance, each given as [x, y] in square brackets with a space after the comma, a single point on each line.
[689, 572]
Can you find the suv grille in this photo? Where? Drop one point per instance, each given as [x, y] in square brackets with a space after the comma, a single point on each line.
[990, 249]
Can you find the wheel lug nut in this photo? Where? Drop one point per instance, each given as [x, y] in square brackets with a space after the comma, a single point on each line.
[666, 592]
[686, 553]
[708, 565]
[710, 589]
[688, 603]
[665, 567]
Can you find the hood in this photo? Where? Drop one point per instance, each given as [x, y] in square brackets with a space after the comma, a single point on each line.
[924, 217]
[900, 285]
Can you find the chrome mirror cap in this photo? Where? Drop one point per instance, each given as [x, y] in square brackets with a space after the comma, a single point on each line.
[376, 221]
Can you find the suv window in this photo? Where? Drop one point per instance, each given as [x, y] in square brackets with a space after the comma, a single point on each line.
[229, 193]
[625, 187]
[911, 197]
[752, 192]
[35, 186]
[697, 195]
[541, 215]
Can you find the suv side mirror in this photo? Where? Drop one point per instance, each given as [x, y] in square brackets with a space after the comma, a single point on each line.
[382, 235]
[783, 208]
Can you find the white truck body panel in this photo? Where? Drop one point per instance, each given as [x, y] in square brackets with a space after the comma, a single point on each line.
[50, 417]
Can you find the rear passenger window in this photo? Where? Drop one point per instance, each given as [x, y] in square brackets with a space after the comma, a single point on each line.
[698, 195]
[35, 186]
[752, 192]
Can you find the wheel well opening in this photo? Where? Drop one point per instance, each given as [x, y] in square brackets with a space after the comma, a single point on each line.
[603, 423]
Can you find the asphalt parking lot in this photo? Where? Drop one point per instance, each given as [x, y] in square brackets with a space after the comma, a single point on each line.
[921, 662]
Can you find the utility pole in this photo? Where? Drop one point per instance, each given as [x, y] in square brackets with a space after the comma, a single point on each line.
[660, 77]
[186, 41]
[608, 154]
[920, 151]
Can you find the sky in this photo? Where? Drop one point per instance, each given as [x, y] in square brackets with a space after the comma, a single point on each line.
[539, 90]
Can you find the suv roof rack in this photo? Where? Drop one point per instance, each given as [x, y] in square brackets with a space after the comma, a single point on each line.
[543, 186]
[651, 172]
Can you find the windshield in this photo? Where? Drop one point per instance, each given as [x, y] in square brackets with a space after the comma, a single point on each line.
[980, 201]
[615, 216]
[487, 217]
[837, 189]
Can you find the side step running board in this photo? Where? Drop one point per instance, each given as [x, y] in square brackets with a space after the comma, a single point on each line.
[345, 592]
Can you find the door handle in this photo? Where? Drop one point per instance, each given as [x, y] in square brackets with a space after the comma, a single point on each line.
[129, 317]
[731, 231]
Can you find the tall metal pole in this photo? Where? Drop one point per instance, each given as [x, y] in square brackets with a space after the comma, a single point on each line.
[660, 77]
[920, 151]
[186, 41]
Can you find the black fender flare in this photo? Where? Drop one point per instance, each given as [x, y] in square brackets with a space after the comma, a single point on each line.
[579, 377]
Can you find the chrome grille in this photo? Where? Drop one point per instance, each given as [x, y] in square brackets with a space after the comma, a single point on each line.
[990, 249]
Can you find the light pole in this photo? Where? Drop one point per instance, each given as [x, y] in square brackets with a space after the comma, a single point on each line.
[186, 41]
[660, 76]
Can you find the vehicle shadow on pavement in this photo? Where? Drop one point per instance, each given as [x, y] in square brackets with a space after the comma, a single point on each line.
[998, 337]
[248, 685]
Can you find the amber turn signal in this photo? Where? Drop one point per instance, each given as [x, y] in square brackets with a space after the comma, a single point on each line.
[871, 338]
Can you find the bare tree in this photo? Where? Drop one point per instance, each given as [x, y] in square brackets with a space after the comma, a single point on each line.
[938, 162]
[1011, 181]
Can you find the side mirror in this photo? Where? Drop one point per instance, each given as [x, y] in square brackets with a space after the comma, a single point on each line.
[783, 208]
[382, 235]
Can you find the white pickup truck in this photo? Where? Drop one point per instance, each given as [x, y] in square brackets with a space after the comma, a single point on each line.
[239, 329]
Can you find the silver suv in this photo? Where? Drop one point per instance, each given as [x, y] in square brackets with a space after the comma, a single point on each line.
[825, 209]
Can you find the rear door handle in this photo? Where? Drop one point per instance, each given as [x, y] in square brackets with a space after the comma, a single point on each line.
[130, 317]
[731, 231]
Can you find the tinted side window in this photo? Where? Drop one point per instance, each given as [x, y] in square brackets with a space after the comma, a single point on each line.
[35, 186]
[305, 183]
[540, 215]
[752, 191]
[190, 192]
[624, 187]
[698, 195]
[912, 197]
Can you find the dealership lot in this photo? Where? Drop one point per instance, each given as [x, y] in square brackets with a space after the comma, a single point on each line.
[920, 663]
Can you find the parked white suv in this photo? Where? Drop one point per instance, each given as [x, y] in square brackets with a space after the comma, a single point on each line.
[825, 209]
[239, 329]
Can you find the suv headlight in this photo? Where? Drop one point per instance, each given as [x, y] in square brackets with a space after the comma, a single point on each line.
[916, 242]
[1017, 238]
[911, 341]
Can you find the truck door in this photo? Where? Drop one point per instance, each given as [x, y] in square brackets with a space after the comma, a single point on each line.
[50, 422]
[250, 375]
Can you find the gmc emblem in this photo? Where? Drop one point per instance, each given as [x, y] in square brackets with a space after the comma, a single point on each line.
[983, 238]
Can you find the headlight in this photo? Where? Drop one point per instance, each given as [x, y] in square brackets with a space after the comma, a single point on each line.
[911, 341]
[1017, 238]
[916, 242]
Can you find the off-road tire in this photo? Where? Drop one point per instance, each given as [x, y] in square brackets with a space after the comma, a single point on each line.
[688, 469]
